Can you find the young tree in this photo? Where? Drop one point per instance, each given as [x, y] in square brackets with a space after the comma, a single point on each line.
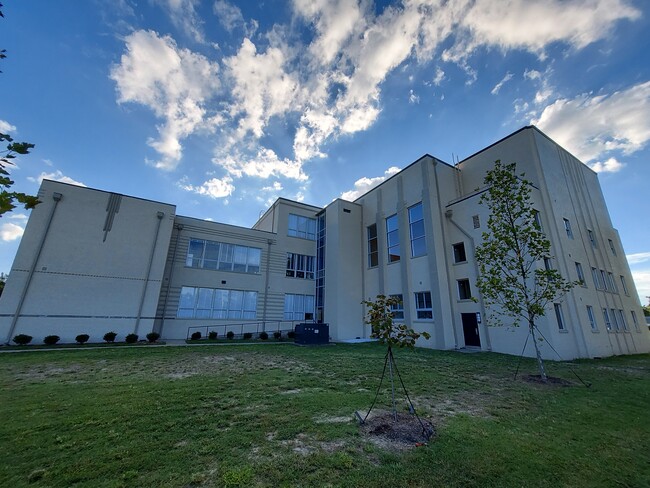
[512, 275]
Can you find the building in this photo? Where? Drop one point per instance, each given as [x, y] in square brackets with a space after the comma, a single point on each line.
[92, 261]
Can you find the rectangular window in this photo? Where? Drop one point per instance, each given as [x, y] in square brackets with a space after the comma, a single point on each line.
[624, 285]
[459, 253]
[621, 320]
[559, 316]
[612, 282]
[416, 227]
[592, 238]
[300, 266]
[373, 246]
[614, 320]
[464, 291]
[398, 308]
[567, 228]
[392, 238]
[596, 277]
[298, 307]
[608, 324]
[603, 279]
[476, 220]
[592, 318]
[635, 321]
[212, 303]
[581, 274]
[547, 264]
[423, 307]
[537, 219]
[300, 226]
[611, 246]
[222, 256]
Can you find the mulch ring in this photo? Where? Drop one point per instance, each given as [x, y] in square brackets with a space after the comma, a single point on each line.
[551, 380]
[407, 432]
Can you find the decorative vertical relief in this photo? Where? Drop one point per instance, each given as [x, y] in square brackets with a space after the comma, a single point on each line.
[113, 207]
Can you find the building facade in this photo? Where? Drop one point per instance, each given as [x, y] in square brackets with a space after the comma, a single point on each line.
[91, 261]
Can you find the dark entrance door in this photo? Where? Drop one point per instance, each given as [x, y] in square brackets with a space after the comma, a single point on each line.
[470, 329]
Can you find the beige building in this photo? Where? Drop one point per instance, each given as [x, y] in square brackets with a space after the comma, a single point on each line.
[92, 261]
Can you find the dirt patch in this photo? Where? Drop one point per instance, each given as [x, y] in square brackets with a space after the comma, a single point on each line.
[399, 435]
[551, 380]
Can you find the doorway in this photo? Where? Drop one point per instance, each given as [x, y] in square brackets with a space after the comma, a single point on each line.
[470, 330]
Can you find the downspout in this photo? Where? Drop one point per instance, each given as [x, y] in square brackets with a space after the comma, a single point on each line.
[449, 214]
[266, 281]
[179, 228]
[159, 216]
[57, 198]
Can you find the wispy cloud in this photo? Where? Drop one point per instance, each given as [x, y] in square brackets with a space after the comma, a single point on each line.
[213, 188]
[364, 185]
[6, 127]
[637, 258]
[504, 80]
[183, 15]
[56, 176]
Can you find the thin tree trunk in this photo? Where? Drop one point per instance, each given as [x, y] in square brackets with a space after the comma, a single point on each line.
[392, 384]
[540, 362]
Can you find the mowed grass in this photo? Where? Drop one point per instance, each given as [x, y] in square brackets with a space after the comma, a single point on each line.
[284, 416]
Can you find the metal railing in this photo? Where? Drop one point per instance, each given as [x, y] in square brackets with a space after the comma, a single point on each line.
[253, 328]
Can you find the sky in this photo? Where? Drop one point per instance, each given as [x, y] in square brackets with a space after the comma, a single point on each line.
[220, 107]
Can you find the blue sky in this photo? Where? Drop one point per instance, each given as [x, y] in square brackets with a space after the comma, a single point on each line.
[220, 107]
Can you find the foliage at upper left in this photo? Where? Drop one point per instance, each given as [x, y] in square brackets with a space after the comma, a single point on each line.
[8, 198]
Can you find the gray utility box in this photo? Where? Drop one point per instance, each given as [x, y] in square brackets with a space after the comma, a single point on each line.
[312, 334]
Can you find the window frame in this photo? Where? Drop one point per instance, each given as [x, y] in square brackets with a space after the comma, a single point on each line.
[373, 256]
[464, 289]
[413, 226]
[559, 317]
[592, 318]
[222, 256]
[297, 314]
[398, 309]
[567, 228]
[231, 309]
[581, 274]
[422, 311]
[393, 233]
[299, 264]
[461, 246]
[302, 227]
[608, 324]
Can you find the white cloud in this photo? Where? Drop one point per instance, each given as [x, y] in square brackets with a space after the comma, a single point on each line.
[17, 216]
[264, 164]
[439, 76]
[174, 83]
[230, 17]
[591, 127]
[183, 15]
[10, 232]
[56, 176]
[532, 74]
[213, 188]
[6, 127]
[637, 258]
[642, 282]
[364, 185]
[413, 98]
[504, 80]
[612, 165]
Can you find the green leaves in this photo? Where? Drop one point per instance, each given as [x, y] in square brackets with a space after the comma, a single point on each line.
[380, 318]
[8, 198]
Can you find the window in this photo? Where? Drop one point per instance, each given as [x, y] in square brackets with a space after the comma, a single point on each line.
[392, 238]
[592, 318]
[464, 292]
[547, 264]
[635, 321]
[567, 228]
[614, 320]
[300, 266]
[398, 308]
[612, 283]
[611, 246]
[621, 320]
[223, 256]
[476, 220]
[373, 247]
[592, 238]
[624, 285]
[300, 226]
[298, 307]
[559, 316]
[459, 253]
[423, 306]
[603, 279]
[416, 226]
[212, 303]
[596, 277]
[608, 324]
[580, 273]
[537, 219]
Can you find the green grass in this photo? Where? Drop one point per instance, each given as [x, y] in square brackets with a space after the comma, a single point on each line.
[283, 416]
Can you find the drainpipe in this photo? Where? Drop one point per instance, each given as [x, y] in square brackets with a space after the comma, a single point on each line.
[159, 216]
[179, 228]
[57, 198]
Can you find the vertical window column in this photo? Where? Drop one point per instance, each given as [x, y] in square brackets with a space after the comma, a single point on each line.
[392, 239]
[416, 227]
[373, 246]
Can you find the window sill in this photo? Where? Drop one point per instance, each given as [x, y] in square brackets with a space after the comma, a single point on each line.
[563, 331]
[459, 262]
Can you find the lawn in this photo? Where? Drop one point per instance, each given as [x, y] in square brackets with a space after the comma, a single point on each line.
[284, 416]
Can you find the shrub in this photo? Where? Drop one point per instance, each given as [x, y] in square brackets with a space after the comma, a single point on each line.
[212, 335]
[82, 338]
[248, 335]
[153, 336]
[22, 339]
[131, 338]
[51, 340]
[291, 334]
[195, 336]
[230, 334]
[277, 334]
[110, 336]
[264, 336]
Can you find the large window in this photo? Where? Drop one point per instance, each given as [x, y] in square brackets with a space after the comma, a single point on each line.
[464, 291]
[592, 238]
[392, 238]
[614, 319]
[223, 256]
[423, 307]
[611, 246]
[624, 284]
[397, 309]
[373, 246]
[459, 253]
[416, 226]
[559, 316]
[300, 266]
[298, 307]
[592, 318]
[581, 274]
[608, 324]
[567, 228]
[612, 282]
[635, 321]
[300, 226]
[596, 277]
[214, 303]
[621, 320]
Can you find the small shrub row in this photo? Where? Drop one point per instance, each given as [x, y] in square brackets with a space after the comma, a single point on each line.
[50, 340]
